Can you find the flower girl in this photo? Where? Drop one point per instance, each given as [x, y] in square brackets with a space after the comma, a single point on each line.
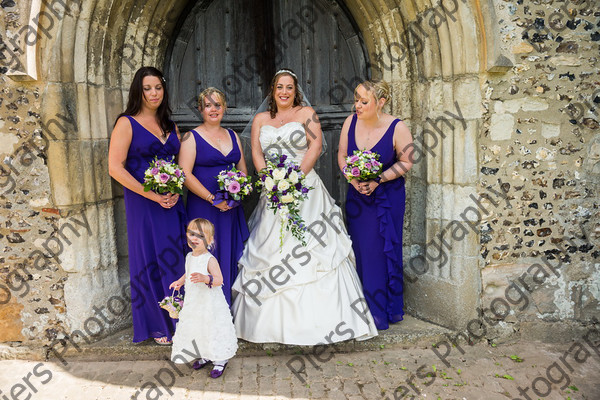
[205, 329]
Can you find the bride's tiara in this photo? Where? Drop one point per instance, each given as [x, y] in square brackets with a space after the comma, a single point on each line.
[287, 71]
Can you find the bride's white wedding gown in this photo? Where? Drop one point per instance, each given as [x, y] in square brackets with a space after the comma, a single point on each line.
[303, 295]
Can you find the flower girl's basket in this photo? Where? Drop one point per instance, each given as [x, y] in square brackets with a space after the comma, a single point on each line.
[172, 304]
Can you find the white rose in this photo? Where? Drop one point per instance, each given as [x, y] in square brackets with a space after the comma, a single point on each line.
[287, 198]
[293, 177]
[283, 185]
[269, 183]
[278, 174]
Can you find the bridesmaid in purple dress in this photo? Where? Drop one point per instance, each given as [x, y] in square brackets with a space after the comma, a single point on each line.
[375, 208]
[155, 222]
[206, 151]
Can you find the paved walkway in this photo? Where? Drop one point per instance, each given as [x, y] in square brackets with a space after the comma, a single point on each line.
[482, 372]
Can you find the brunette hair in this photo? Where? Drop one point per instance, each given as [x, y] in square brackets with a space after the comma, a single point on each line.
[298, 98]
[136, 93]
[209, 91]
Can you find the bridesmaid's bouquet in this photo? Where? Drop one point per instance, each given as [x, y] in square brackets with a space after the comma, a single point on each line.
[284, 184]
[164, 176]
[173, 304]
[234, 185]
[363, 165]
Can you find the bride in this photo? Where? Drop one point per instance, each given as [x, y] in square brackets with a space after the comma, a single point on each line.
[302, 295]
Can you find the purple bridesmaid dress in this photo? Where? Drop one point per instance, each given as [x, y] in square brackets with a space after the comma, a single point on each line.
[231, 230]
[156, 236]
[375, 226]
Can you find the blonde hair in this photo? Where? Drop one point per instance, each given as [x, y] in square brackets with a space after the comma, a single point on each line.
[209, 91]
[206, 227]
[378, 88]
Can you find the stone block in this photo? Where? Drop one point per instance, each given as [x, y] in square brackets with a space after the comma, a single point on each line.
[496, 278]
[567, 61]
[550, 130]
[114, 107]
[83, 292]
[8, 142]
[526, 104]
[534, 104]
[502, 126]
[59, 121]
[433, 204]
[105, 227]
[522, 48]
[435, 92]
[87, 171]
[83, 111]
[10, 321]
[402, 100]
[102, 180]
[68, 54]
[58, 166]
[120, 227]
[467, 205]
[467, 92]
[408, 10]
[81, 47]
[466, 170]
[93, 53]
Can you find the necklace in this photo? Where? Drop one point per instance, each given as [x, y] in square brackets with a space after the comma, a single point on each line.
[373, 129]
[282, 118]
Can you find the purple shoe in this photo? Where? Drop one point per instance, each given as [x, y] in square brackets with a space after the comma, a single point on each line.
[215, 373]
[200, 364]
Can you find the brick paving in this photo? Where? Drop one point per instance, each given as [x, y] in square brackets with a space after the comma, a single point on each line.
[482, 372]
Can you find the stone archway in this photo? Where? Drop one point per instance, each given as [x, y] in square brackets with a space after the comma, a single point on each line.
[87, 68]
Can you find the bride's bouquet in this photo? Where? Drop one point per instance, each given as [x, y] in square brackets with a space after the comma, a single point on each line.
[173, 304]
[234, 185]
[164, 176]
[284, 184]
[363, 165]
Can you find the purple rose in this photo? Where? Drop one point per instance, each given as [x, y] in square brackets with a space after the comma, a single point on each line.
[234, 187]
[155, 171]
[368, 165]
[178, 173]
[230, 173]
[353, 159]
[164, 178]
[355, 171]
[275, 199]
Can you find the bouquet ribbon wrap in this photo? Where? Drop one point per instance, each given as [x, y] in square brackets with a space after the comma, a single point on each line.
[223, 195]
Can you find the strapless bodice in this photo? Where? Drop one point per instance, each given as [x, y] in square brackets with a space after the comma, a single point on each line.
[289, 139]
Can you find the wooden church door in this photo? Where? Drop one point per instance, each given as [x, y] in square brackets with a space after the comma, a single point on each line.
[237, 46]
